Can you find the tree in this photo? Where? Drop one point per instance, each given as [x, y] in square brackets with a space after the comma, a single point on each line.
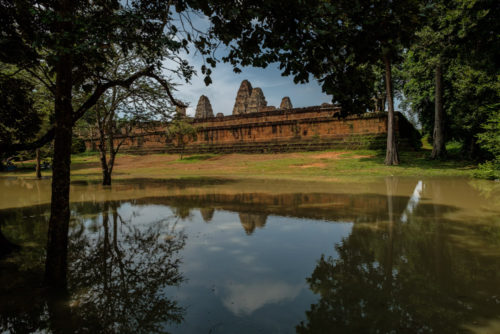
[451, 72]
[120, 111]
[395, 276]
[71, 41]
[335, 41]
[119, 274]
[180, 132]
[19, 118]
[490, 142]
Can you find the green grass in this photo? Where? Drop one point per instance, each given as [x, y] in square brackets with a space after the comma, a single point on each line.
[412, 164]
[350, 164]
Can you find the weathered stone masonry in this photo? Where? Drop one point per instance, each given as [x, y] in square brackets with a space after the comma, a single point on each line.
[271, 129]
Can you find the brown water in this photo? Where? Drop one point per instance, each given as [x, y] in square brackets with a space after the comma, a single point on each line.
[393, 255]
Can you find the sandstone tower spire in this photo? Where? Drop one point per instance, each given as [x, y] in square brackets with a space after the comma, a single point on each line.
[204, 108]
[180, 110]
[241, 104]
[257, 101]
[286, 103]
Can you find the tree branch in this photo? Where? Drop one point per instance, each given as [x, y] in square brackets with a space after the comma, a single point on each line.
[89, 103]
[100, 89]
[166, 86]
[47, 137]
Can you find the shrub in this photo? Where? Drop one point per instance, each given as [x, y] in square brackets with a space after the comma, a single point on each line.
[78, 146]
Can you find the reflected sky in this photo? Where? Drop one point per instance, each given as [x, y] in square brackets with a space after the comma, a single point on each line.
[393, 255]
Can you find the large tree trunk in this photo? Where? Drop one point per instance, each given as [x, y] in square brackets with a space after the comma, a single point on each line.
[391, 156]
[57, 241]
[438, 143]
[37, 168]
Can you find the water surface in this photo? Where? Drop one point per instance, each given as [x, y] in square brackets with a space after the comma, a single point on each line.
[392, 255]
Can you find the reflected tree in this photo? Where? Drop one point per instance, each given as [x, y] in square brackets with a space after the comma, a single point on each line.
[119, 275]
[6, 247]
[404, 277]
[118, 280]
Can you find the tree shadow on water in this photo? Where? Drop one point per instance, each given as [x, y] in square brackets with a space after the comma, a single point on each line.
[408, 275]
[118, 279]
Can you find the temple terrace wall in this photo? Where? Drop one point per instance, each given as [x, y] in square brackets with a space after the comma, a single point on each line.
[279, 130]
[256, 127]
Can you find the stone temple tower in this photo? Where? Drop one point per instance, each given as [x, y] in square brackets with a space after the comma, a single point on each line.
[180, 110]
[241, 104]
[204, 108]
[286, 103]
[257, 101]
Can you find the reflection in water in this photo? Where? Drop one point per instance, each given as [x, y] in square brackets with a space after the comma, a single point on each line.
[413, 202]
[207, 214]
[410, 278]
[244, 299]
[120, 273]
[402, 256]
[117, 278]
[250, 221]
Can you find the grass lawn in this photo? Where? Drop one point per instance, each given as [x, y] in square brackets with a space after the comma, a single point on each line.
[324, 165]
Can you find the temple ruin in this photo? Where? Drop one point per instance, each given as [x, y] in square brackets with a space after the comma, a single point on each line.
[256, 127]
[286, 103]
[242, 97]
[204, 108]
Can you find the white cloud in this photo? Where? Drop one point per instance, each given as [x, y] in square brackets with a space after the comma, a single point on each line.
[244, 299]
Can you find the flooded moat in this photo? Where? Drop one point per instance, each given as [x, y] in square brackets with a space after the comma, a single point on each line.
[389, 255]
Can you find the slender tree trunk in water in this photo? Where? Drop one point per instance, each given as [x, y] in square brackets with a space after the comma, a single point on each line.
[112, 153]
[57, 241]
[106, 245]
[106, 177]
[391, 186]
[438, 144]
[37, 168]
[392, 156]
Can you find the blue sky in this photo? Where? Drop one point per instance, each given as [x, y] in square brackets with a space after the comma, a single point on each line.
[225, 84]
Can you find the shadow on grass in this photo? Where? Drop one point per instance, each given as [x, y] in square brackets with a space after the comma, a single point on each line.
[421, 159]
[85, 165]
[180, 183]
[196, 157]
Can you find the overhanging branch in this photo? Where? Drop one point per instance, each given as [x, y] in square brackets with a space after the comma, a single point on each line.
[100, 89]
[89, 103]
[46, 138]
[166, 86]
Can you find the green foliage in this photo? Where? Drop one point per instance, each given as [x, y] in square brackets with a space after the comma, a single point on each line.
[77, 145]
[37, 36]
[180, 132]
[489, 140]
[489, 170]
[336, 42]
[458, 34]
[19, 120]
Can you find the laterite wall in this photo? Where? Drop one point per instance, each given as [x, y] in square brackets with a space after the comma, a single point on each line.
[277, 129]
